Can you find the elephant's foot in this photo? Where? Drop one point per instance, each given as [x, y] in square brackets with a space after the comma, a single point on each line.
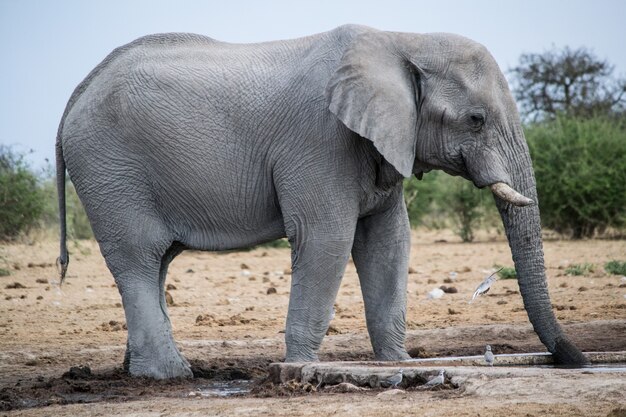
[391, 355]
[300, 353]
[159, 361]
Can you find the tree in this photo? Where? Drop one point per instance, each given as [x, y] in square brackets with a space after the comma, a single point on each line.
[570, 81]
[21, 201]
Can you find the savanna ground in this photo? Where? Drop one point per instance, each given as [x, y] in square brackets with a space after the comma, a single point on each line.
[228, 315]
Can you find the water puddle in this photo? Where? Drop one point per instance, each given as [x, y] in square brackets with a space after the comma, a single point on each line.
[223, 389]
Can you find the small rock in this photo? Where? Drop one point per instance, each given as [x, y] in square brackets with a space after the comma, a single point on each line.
[189, 271]
[251, 308]
[581, 289]
[412, 270]
[170, 287]
[435, 294]
[332, 330]
[344, 387]
[287, 271]
[244, 266]
[41, 281]
[169, 299]
[206, 320]
[466, 269]
[78, 372]
[563, 285]
[390, 393]
[502, 302]
[448, 281]
[448, 290]
[452, 311]
[14, 286]
[271, 290]
[40, 297]
[431, 281]
[251, 278]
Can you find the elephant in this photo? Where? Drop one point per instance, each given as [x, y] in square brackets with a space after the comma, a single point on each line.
[178, 141]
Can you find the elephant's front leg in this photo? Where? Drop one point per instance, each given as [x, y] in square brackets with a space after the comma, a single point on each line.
[381, 256]
[318, 263]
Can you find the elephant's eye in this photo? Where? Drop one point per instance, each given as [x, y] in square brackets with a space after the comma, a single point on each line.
[477, 120]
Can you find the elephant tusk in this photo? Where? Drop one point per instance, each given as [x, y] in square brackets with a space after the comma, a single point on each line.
[509, 195]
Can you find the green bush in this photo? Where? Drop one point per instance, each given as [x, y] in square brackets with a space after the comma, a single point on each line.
[421, 196]
[78, 226]
[21, 200]
[580, 166]
[440, 200]
[506, 272]
[615, 267]
[579, 269]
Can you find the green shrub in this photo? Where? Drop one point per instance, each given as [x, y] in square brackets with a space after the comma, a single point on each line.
[615, 267]
[579, 269]
[506, 272]
[21, 201]
[580, 166]
[421, 198]
[4, 272]
[440, 200]
[78, 226]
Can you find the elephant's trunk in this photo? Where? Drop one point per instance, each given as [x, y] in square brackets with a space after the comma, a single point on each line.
[523, 230]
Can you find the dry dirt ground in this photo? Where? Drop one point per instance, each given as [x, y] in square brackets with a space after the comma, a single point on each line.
[228, 315]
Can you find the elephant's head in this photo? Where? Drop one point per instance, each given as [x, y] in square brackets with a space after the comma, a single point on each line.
[439, 101]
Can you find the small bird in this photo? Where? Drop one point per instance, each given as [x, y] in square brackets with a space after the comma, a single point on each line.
[438, 380]
[394, 380]
[484, 286]
[489, 356]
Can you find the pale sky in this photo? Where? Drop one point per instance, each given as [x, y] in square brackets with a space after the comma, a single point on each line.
[48, 47]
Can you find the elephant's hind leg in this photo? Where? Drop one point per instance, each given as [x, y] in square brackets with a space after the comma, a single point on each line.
[139, 264]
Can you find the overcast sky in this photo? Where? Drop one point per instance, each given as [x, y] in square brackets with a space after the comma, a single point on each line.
[48, 47]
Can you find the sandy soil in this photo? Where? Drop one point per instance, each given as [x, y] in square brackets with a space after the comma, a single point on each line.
[228, 317]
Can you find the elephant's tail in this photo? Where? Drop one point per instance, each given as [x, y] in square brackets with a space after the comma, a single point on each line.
[63, 260]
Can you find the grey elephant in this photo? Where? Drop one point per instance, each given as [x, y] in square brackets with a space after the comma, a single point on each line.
[179, 141]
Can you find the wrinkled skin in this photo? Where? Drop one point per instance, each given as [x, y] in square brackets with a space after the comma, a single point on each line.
[179, 141]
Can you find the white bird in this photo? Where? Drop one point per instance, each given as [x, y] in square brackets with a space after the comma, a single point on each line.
[394, 380]
[438, 380]
[489, 356]
[484, 286]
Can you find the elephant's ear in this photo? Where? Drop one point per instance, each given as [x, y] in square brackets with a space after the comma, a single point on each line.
[374, 92]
